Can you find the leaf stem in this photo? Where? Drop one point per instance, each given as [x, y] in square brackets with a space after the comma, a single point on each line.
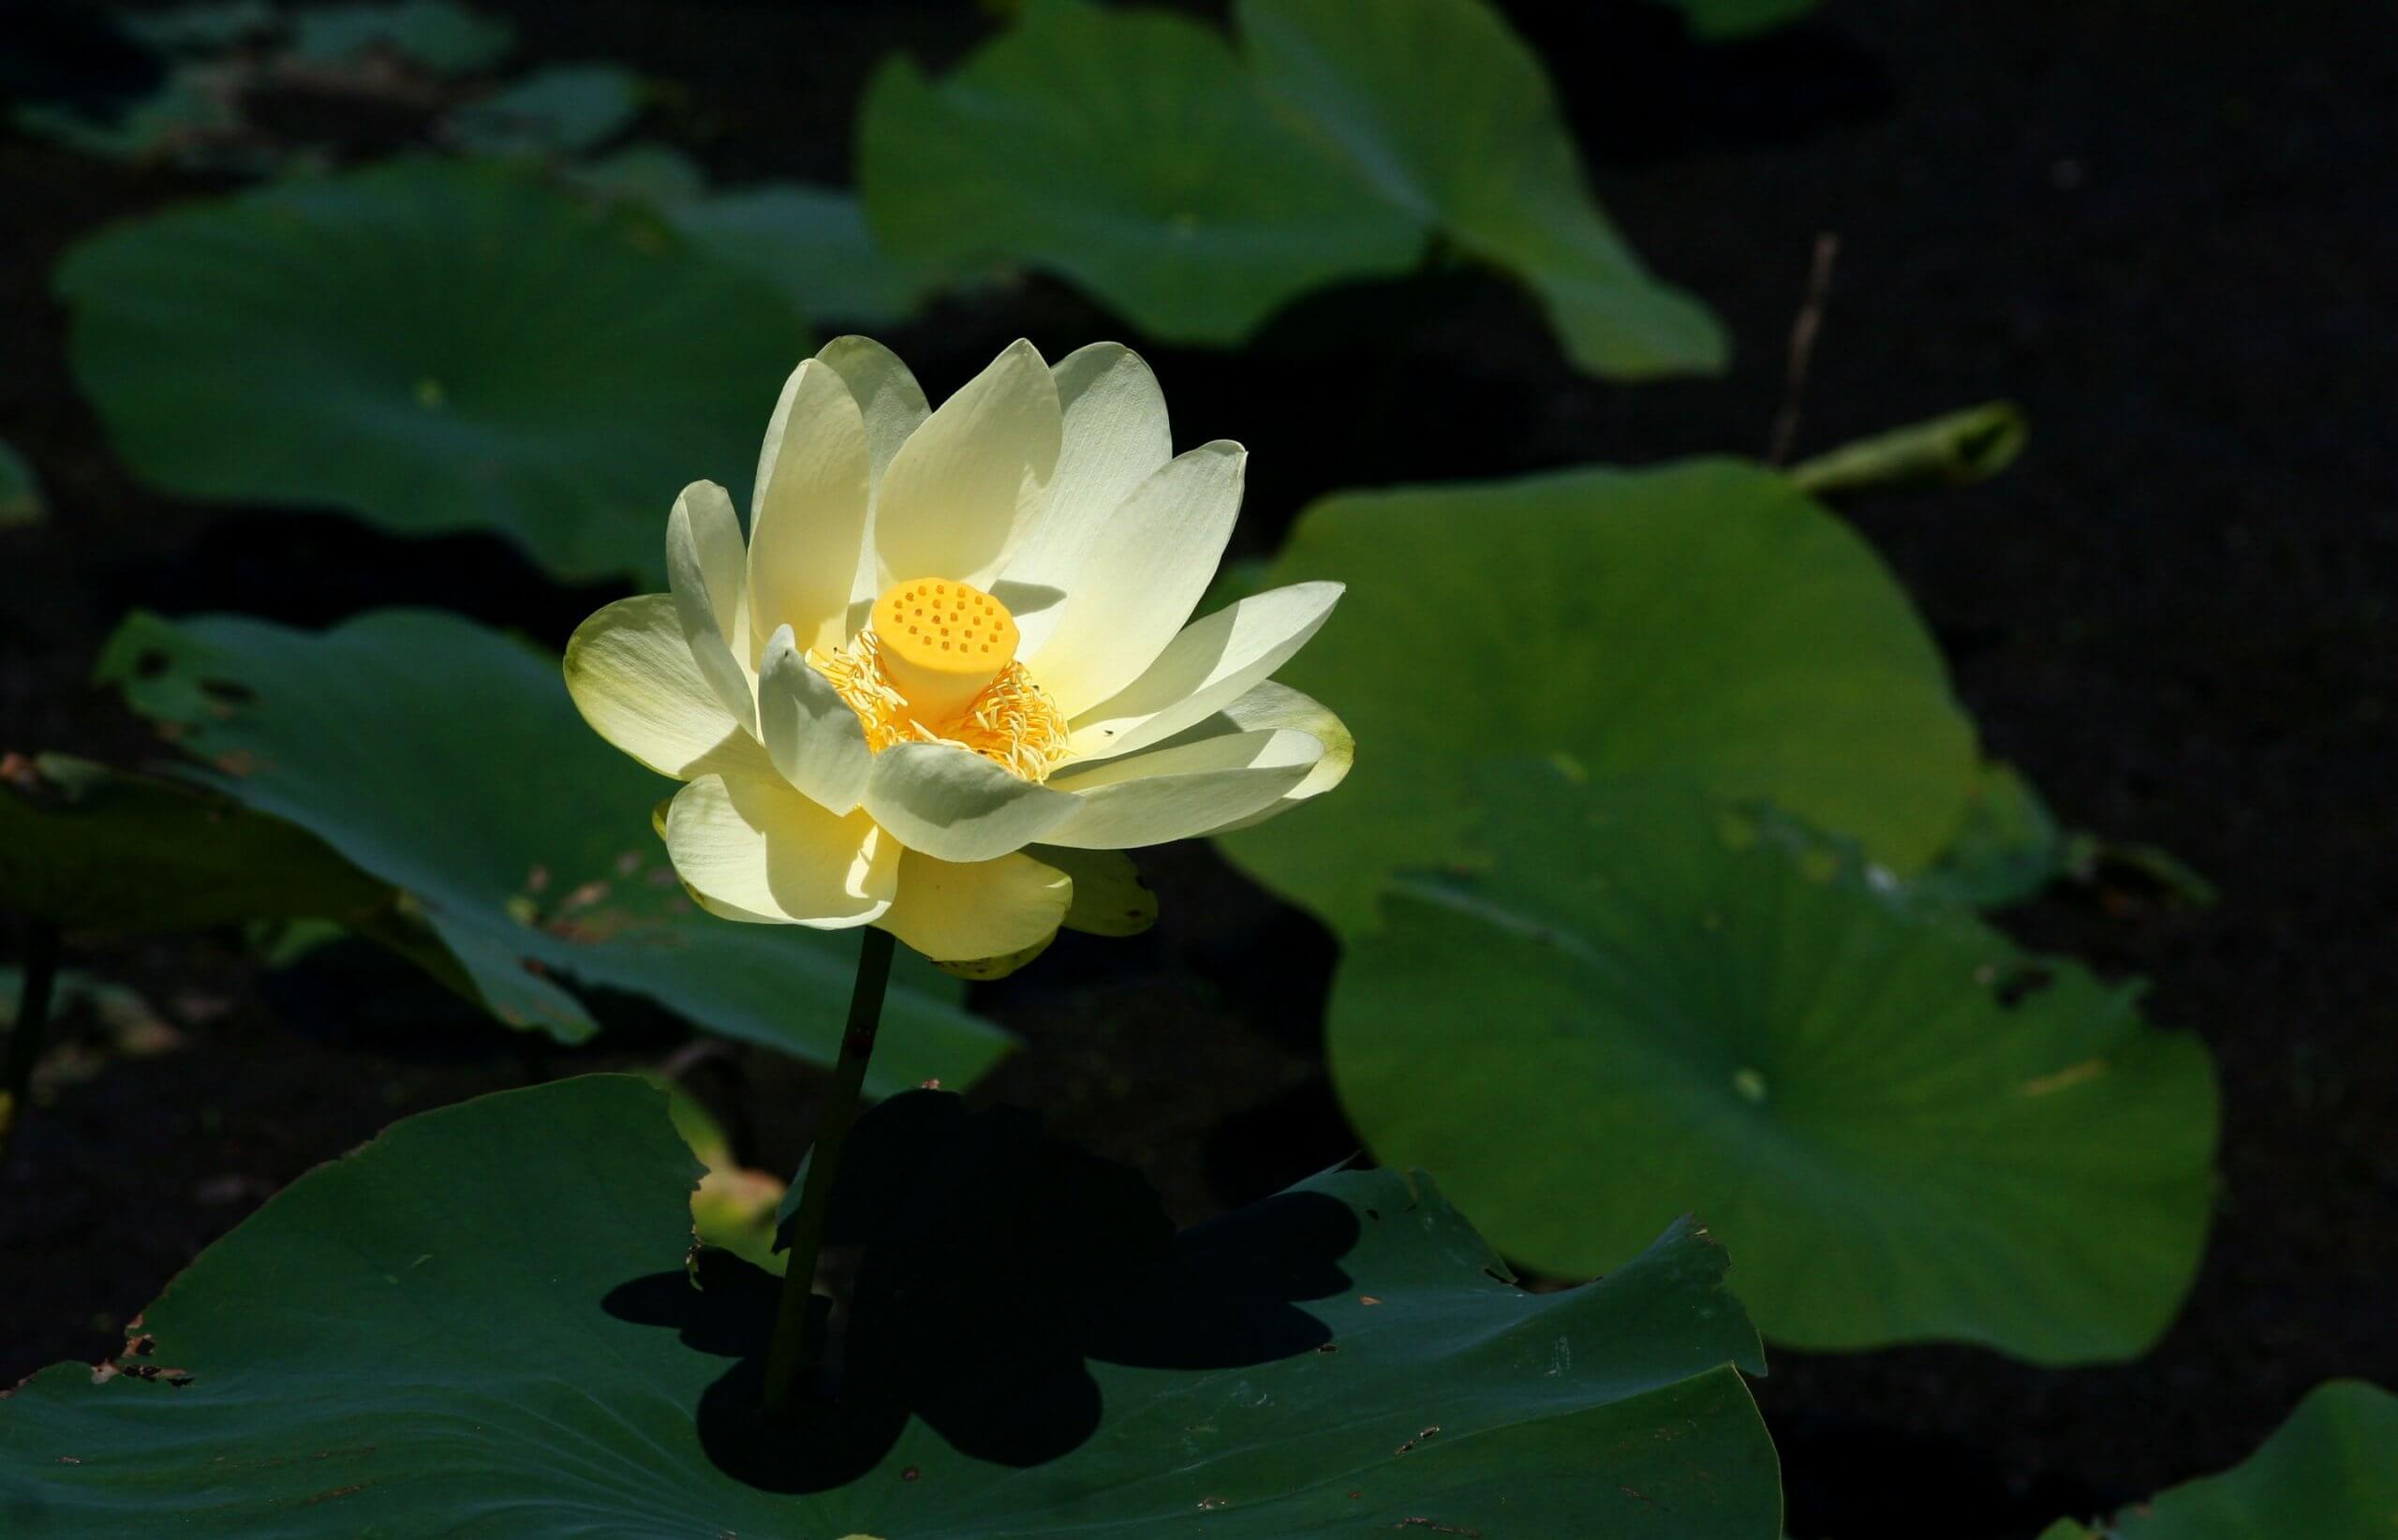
[792, 1359]
[26, 1037]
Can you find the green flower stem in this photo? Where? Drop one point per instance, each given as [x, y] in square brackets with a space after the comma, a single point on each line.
[33, 1025]
[792, 1359]
[1955, 450]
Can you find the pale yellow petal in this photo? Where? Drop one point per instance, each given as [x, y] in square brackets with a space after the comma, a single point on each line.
[1110, 898]
[894, 407]
[1183, 790]
[814, 738]
[967, 486]
[1153, 558]
[1208, 664]
[631, 671]
[958, 805]
[889, 400]
[959, 913]
[984, 968]
[757, 849]
[1114, 437]
[704, 568]
[1269, 704]
[807, 516]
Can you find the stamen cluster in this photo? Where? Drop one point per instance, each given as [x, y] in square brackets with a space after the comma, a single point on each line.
[1012, 721]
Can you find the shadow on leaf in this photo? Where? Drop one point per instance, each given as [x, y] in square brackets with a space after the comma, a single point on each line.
[994, 1262]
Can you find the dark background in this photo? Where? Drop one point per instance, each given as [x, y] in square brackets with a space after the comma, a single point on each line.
[2169, 228]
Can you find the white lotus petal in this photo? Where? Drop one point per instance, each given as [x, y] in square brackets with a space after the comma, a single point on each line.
[809, 731]
[631, 671]
[1208, 664]
[757, 848]
[1184, 790]
[1269, 704]
[967, 486]
[807, 516]
[949, 803]
[703, 561]
[1151, 561]
[889, 400]
[1114, 437]
[954, 911]
[893, 406]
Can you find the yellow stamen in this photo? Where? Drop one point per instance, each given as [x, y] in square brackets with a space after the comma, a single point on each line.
[907, 688]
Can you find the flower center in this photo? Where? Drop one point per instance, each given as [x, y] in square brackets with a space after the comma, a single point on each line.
[937, 664]
[942, 644]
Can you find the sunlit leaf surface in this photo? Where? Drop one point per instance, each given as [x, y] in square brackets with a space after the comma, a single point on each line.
[1130, 151]
[1701, 624]
[433, 346]
[402, 1334]
[1900, 1126]
[1450, 116]
[1197, 191]
[447, 760]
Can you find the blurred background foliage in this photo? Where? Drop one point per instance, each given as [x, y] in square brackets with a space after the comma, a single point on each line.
[1669, 876]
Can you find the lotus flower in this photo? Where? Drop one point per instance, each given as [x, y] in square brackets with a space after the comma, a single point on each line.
[950, 665]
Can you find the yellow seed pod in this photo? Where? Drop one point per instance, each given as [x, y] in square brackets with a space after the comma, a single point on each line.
[943, 642]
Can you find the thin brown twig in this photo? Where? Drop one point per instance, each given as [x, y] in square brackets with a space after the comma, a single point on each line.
[1802, 347]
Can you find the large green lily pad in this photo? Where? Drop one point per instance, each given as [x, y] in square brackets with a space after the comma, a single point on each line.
[436, 348]
[186, 117]
[557, 112]
[86, 847]
[1450, 116]
[446, 759]
[2009, 847]
[1197, 192]
[1129, 152]
[444, 37]
[810, 242]
[2330, 1472]
[401, 1340]
[1904, 1128]
[1701, 624]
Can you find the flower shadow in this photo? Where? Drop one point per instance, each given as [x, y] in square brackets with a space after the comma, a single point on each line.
[994, 1266]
